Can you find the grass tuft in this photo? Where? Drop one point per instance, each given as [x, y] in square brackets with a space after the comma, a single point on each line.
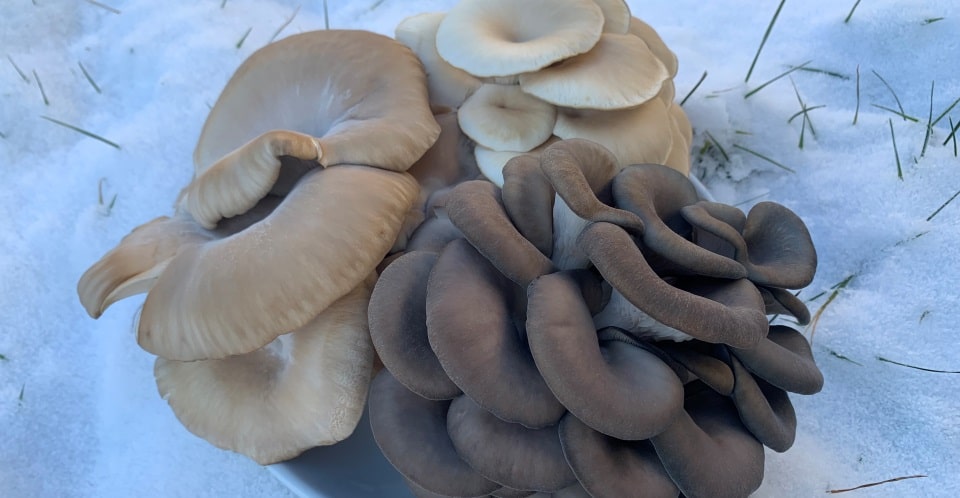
[852, 9]
[244, 37]
[82, 131]
[103, 6]
[716, 144]
[285, 24]
[763, 41]
[926, 136]
[952, 197]
[856, 113]
[805, 111]
[781, 75]
[896, 154]
[43, 94]
[765, 158]
[17, 68]
[872, 484]
[924, 369]
[89, 78]
[694, 89]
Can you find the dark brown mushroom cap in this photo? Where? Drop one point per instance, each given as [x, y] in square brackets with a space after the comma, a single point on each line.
[783, 302]
[579, 171]
[528, 199]
[699, 358]
[765, 410]
[476, 209]
[781, 252]
[708, 452]
[412, 434]
[473, 332]
[712, 310]
[616, 388]
[506, 492]
[657, 194]
[398, 327]
[574, 490]
[783, 359]
[433, 234]
[610, 468]
[714, 224]
[510, 454]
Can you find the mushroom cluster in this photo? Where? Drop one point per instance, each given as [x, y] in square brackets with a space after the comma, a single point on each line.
[522, 80]
[257, 287]
[644, 361]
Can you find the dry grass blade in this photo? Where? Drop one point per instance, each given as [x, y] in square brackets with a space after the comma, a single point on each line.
[836, 292]
[82, 131]
[765, 158]
[872, 484]
[952, 197]
[17, 68]
[285, 24]
[886, 360]
[852, 9]
[896, 153]
[103, 6]
[89, 78]
[694, 89]
[43, 94]
[781, 75]
[763, 41]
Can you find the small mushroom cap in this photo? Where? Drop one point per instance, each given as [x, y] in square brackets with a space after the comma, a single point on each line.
[502, 37]
[701, 360]
[305, 389]
[510, 454]
[636, 135]
[447, 85]
[206, 304]
[472, 329]
[614, 387]
[619, 72]
[503, 117]
[491, 162]
[781, 252]
[785, 360]
[616, 16]
[377, 88]
[645, 32]
[765, 410]
[398, 326]
[609, 467]
[783, 302]
[528, 199]
[412, 434]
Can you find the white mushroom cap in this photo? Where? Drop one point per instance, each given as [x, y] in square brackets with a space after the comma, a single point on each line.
[491, 162]
[637, 135]
[619, 72]
[236, 294]
[506, 37]
[447, 85]
[668, 92]
[502, 117]
[616, 16]
[305, 389]
[649, 35]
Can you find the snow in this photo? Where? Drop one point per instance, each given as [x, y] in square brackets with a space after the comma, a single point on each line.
[79, 410]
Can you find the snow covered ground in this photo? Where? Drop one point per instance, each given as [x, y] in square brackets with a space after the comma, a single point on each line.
[79, 411]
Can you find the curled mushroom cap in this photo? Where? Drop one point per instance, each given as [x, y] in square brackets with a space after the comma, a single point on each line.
[305, 389]
[503, 37]
[285, 101]
[528, 199]
[220, 298]
[447, 85]
[765, 410]
[619, 72]
[785, 360]
[503, 117]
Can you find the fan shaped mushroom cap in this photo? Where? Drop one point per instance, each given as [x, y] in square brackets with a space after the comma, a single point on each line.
[528, 199]
[608, 467]
[447, 85]
[616, 16]
[708, 452]
[700, 361]
[503, 117]
[502, 37]
[472, 329]
[220, 298]
[305, 389]
[765, 410]
[509, 454]
[412, 434]
[491, 162]
[712, 310]
[782, 302]
[645, 32]
[783, 359]
[636, 135]
[398, 326]
[616, 388]
[619, 72]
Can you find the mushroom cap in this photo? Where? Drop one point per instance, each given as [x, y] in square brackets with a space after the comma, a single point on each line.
[636, 135]
[785, 360]
[503, 117]
[528, 199]
[491, 162]
[473, 330]
[700, 359]
[510, 454]
[783, 302]
[765, 410]
[446, 84]
[377, 88]
[679, 157]
[606, 466]
[445, 162]
[616, 15]
[412, 434]
[398, 326]
[305, 389]
[433, 234]
[220, 298]
[502, 37]
[619, 72]
[645, 32]
[615, 387]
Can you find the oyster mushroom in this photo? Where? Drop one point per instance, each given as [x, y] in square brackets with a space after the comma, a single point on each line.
[635, 135]
[504, 118]
[447, 85]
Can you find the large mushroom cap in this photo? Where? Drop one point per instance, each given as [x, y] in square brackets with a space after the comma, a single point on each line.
[650, 36]
[448, 86]
[305, 389]
[503, 37]
[221, 298]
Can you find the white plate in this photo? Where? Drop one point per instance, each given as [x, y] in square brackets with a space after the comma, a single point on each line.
[352, 468]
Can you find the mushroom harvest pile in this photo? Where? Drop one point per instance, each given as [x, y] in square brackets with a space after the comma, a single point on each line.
[522, 79]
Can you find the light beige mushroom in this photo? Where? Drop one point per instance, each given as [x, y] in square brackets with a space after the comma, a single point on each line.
[636, 135]
[305, 389]
[645, 32]
[503, 37]
[616, 16]
[448, 86]
[491, 162]
[502, 117]
[619, 72]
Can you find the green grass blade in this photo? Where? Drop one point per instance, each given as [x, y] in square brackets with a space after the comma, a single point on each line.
[926, 136]
[890, 88]
[285, 24]
[82, 131]
[716, 143]
[896, 154]
[103, 6]
[825, 72]
[881, 358]
[954, 196]
[43, 94]
[898, 113]
[851, 12]
[781, 75]
[244, 37]
[856, 113]
[326, 16]
[17, 68]
[932, 20]
[89, 78]
[694, 89]
[947, 111]
[765, 158]
[763, 41]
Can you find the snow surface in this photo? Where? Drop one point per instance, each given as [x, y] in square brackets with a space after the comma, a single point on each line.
[79, 411]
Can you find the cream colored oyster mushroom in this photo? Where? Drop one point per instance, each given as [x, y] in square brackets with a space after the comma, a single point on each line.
[305, 389]
[503, 117]
[491, 162]
[448, 86]
[645, 32]
[638, 135]
[616, 16]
